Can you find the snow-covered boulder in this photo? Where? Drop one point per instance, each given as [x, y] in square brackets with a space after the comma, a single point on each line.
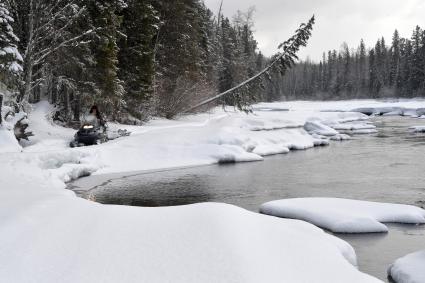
[409, 269]
[345, 215]
[417, 129]
[352, 126]
[411, 112]
[420, 112]
[341, 137]
[316, 127]
[378, 110]
[357, 128]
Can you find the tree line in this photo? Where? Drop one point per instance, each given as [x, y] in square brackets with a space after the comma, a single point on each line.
[133, 58]
[385, 70]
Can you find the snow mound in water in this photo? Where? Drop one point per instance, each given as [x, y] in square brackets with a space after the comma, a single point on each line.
[391, 111]
[352, 126]
[409, 269]
[341, 137]
[417, 129]
[316, 127]
[345, 215]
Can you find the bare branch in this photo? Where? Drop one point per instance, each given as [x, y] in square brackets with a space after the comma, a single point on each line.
[64, 43]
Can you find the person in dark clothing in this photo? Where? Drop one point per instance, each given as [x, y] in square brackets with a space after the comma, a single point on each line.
[94, 114]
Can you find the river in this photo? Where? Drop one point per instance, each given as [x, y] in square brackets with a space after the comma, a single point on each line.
[386, 167]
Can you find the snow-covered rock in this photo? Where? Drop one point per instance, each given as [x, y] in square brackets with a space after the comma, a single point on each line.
[345, 215]
[341, 137]
[409, 269]
[417, 129]
[316, 127]
[352, 126]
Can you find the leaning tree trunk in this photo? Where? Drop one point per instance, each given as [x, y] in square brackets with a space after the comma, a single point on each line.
[281, 61]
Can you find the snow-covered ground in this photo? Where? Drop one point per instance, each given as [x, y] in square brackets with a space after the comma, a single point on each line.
[409, 269]
[48, 234]
[345, 215]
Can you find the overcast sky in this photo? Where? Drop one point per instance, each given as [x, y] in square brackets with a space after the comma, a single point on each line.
[337, 21]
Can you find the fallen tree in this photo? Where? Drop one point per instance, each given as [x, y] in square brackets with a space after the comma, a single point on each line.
[243, 93]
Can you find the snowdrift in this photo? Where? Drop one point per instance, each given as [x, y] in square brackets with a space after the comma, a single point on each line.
[8, 142]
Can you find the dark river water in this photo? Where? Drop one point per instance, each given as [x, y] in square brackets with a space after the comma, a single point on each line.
[387, 167]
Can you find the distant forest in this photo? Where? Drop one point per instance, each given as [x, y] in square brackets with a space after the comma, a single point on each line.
[385, 70]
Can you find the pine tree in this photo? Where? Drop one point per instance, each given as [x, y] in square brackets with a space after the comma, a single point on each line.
[394, 79]
[416, 77]
[106, 22]
[226, 79]
[406, 68]
[179, 55]
[10, 57]
[136, 54]
[374, 85]
[346, 68]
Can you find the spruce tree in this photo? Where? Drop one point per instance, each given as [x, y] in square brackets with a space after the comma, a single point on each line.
[362, 66]
[416, 76]
[106, 22]
[394, 79]
[10, 57]
[136, 54]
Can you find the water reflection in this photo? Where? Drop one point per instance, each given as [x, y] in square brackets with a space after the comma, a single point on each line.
[152, 192]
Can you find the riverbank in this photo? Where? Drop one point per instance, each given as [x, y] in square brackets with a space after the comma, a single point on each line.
[50, 233]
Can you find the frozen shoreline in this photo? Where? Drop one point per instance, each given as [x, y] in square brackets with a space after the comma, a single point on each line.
[41, 221]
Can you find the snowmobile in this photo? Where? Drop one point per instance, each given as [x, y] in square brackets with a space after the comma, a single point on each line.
[89, 134]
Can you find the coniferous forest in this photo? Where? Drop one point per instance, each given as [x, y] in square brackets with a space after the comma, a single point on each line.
[133, 58]
[386, 70]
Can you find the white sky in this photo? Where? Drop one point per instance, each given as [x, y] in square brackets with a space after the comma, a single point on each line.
[337, 21]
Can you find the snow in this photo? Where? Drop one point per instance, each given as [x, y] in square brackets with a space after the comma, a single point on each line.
[409, 269]
[8, 142]
[417, 129]
[55, 236]
[402, 107]
[315, 127]
[345, 215]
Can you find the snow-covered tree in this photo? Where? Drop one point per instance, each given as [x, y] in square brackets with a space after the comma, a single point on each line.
[136, 56]
[10, 58]
[104, 45]
[45, 30]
